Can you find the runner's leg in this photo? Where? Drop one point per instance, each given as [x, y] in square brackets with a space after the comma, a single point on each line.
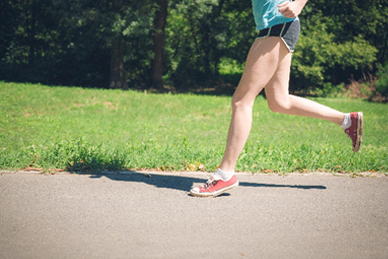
[279, 99]
[261, 65]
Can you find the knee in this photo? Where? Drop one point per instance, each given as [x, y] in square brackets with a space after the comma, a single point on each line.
[238, 103]
[279, 106]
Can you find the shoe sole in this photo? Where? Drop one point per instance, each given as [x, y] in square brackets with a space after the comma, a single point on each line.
[215, 194]
[360, 124]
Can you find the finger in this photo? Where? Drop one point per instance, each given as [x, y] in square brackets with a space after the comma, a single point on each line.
[285, 11]
[282, 10]
[287, 15]
[283, 7]
[283, 4]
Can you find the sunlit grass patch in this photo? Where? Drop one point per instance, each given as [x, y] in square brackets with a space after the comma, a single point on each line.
[92, 129]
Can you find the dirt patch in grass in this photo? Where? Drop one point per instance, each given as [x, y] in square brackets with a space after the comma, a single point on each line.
[365, 89]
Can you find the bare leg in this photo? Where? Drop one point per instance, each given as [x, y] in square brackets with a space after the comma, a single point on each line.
[262, 63]
[279, 99]
[268, 65]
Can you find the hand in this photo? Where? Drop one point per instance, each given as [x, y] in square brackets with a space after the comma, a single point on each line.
[291, 9]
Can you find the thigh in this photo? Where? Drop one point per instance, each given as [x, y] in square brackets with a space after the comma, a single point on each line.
[261, 65]
[277, 89]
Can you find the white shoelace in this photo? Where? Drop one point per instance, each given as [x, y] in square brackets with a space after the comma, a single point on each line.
[210, 182]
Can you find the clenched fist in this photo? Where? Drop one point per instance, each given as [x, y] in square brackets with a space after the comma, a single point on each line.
[291, 9]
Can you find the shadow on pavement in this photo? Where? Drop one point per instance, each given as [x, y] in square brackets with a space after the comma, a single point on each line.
[306, 187]
[184, 183]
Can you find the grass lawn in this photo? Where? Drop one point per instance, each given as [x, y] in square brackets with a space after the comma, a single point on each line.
[92, 129]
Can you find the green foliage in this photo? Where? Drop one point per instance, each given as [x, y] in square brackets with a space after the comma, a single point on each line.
[382, 81]
[354, 18]
[62, 42]
[230, 70]
[71, 41]
[79, 155]
[200, 33]
[319, 58]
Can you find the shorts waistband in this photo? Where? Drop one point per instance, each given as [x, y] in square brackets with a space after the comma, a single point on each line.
[276, 30]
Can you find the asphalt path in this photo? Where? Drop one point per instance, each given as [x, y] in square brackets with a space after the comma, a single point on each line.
[132, 215]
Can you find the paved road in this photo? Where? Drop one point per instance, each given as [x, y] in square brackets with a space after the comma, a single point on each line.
[134, 216]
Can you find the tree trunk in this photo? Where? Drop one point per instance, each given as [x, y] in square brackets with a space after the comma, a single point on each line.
[157, 62]
[31, 36]
[118, 78]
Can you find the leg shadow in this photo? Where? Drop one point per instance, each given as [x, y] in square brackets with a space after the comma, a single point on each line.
[184, 183]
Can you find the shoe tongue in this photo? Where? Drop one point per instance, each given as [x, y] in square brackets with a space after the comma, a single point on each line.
[215, 177]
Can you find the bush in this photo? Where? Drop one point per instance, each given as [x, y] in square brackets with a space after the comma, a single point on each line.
[382, 82]
[319, 58]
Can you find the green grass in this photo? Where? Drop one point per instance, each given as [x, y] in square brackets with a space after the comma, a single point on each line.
[87, 129]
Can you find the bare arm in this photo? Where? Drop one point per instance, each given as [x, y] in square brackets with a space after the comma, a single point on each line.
[292, 9]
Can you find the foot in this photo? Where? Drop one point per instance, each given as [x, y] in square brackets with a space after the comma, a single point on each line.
[354, 132]
[215, 187]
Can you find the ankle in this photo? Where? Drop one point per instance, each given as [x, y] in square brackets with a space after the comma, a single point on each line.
[347, 122]
[223, 175]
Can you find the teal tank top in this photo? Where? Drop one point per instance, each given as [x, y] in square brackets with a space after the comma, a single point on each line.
[266, 13]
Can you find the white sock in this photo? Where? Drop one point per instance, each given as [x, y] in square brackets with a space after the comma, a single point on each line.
[224, 176]
[347, 121]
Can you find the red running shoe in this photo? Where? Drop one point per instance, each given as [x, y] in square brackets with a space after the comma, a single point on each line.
[215, 187]
[354, 132]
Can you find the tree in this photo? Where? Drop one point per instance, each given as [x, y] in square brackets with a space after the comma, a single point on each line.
[203, 32]
[149, 43]
[118, 77]
[158, 47]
